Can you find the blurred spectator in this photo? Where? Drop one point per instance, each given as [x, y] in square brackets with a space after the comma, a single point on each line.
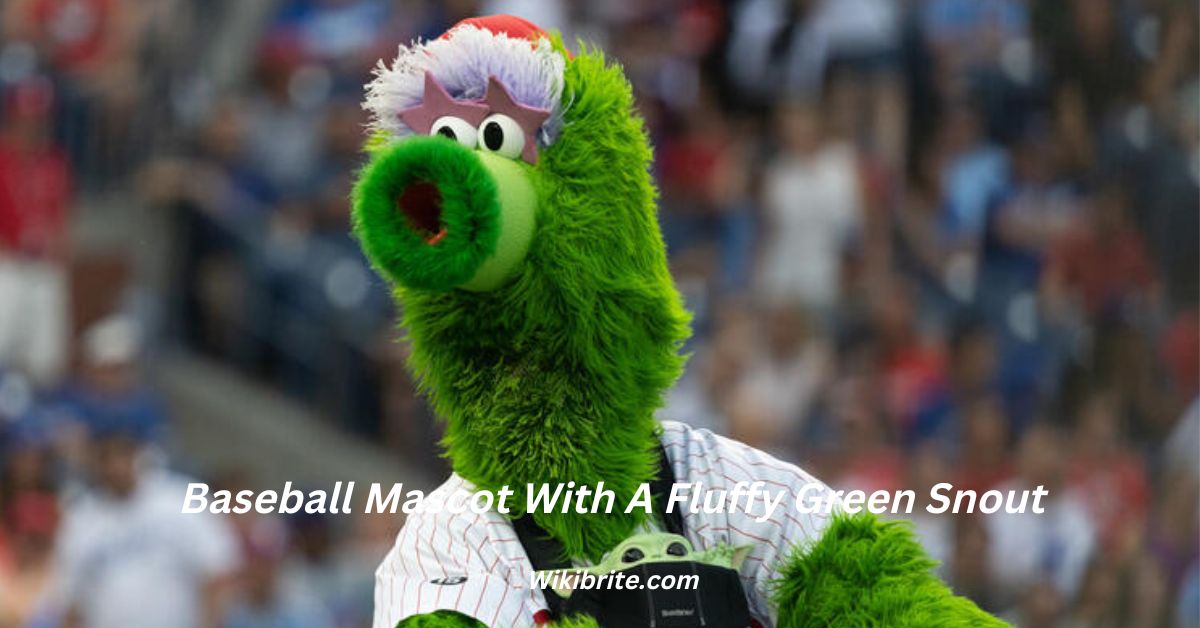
[1037, 559]
[1180, 349]
[109, 392]
[924, 250]
[970, 563]
[969, 34]
[705, 395]
[283, 116]
[1109, 476]
[985, 459]
[974, 171]
[867, 458]
[927, 467]
[971, 374]
[31, 521]
[1187, 612]
[372, 536]
[1103, 261]
[1042, 605]
[1181, 451]
[91, 47]
[76, 37]
[705, 176]
[1094, 64]
[28, 519]
[1172, 542]
[35, 189]
[912, 364]
[347, 35]
[812, 200]
[311, 567]
[1032, 212]
[779, 390]
[781, 48]
[1101, 600]
[266, 602]
[126, 537]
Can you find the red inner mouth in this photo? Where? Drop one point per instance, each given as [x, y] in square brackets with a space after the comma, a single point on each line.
[421, 203]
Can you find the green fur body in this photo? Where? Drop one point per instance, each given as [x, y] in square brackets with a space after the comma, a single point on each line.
[555, 376]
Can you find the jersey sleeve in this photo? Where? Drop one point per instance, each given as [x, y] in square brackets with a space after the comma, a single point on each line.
[719, 463]
[454, 562]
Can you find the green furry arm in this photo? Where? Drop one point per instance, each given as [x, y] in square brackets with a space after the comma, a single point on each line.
[868, 572]
[440, 619]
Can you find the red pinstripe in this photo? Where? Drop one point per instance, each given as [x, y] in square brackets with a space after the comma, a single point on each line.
[755, 537]
[487, 585]
[467, 558]
[407, 530]
[420, 564]
[437, 601]
[500, 605]
[391, 585]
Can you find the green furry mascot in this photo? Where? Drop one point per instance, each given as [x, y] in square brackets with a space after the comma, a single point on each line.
[508, 200]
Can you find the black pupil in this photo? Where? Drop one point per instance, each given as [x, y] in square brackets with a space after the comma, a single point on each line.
[493, 136]
[631, 555]
[676, 549]
[447, 132]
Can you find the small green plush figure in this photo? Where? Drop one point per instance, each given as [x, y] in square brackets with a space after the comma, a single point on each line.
[653, 547]
[508, 200]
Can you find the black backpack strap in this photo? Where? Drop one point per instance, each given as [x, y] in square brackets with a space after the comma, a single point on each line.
[660, 488]
[545, 552]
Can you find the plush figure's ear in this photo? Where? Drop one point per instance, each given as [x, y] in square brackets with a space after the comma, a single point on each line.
[739, 556]
[868, 572]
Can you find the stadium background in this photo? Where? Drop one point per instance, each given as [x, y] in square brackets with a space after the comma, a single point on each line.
[924, 240]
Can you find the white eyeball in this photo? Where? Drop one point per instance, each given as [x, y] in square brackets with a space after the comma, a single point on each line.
[456, 129]
[502, 135]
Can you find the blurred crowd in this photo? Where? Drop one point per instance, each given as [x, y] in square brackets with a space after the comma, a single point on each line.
[924, 241]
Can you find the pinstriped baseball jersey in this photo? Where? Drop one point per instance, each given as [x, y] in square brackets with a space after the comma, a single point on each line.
[474, 563]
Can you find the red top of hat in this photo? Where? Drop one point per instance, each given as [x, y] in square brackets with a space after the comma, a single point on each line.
[511, 25]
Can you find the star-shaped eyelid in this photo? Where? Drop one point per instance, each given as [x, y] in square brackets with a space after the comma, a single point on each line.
[437, 103]
[530, 119]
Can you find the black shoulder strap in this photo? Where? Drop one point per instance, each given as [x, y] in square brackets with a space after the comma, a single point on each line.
[545, 552]
[660, 488]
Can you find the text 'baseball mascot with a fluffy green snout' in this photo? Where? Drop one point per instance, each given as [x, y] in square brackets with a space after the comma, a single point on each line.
[508, 200]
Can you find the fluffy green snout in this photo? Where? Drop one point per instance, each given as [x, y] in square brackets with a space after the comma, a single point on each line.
[434, 215]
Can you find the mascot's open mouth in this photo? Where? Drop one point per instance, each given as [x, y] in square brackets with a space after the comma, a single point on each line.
[421, 204]
[436, 215]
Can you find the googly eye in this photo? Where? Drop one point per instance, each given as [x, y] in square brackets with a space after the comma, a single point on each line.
[677, 549]
[456, 129]
[502, 135]
[632, 555]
